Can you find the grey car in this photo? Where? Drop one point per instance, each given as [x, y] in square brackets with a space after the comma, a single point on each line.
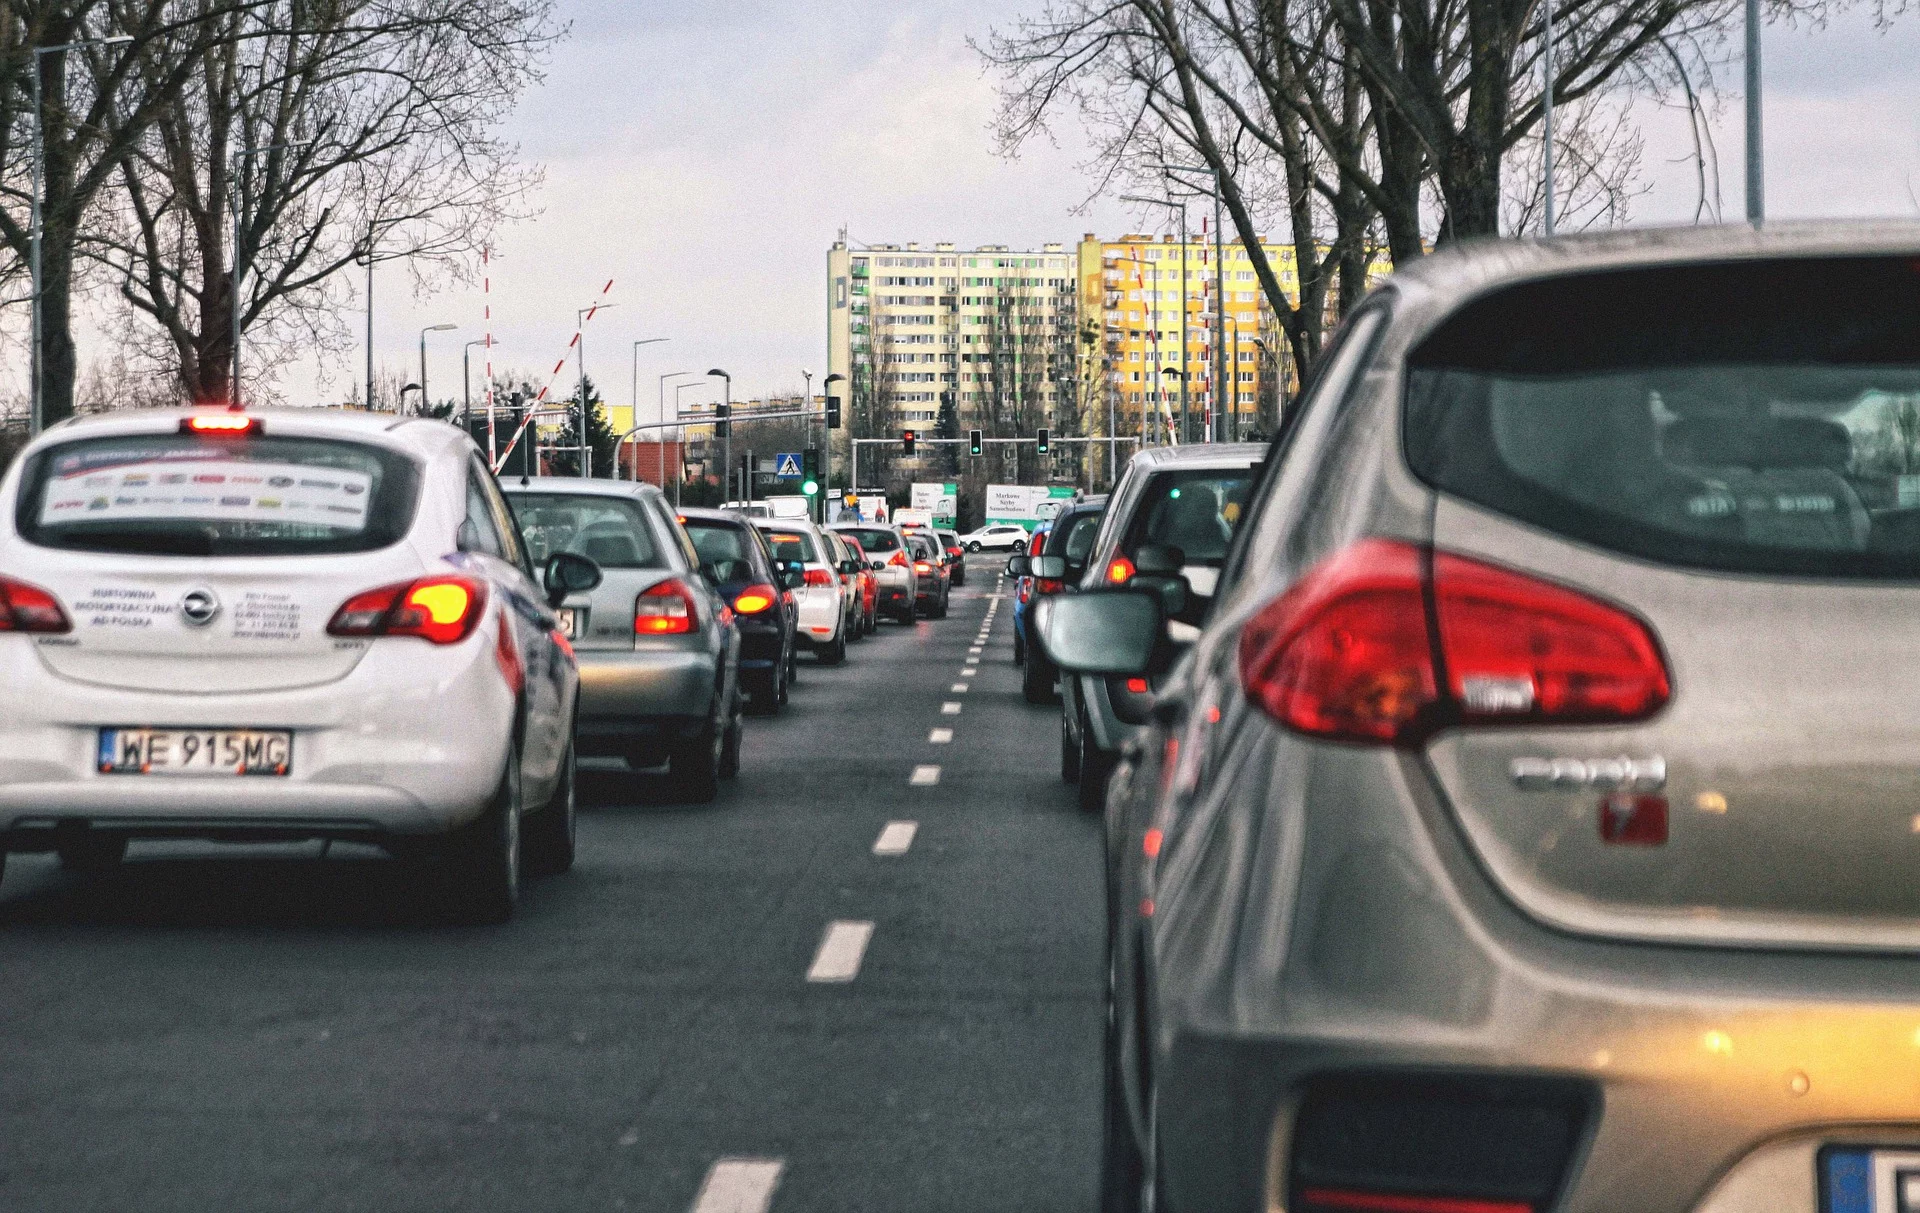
[656, 643]
[1534, 824]
[1177, 503]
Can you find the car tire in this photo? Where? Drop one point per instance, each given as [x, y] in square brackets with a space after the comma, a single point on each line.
[783, 683]
[694, 766]
[939, 610]
[1095, 766]
[485, 854]
[547, 837]
[834, 653]
[730, 746]
[1069, 754]
[1127, 1184]
[1019, 648]
[93, 852]
[974, 546]
[1036, 682]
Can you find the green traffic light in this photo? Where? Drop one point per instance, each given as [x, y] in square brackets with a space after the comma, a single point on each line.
[810, 487]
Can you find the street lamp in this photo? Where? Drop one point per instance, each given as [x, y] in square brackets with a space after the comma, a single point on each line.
[402, 403]
[1219, 278]
[1181, 207]
[726, 443]
[425, 402]
[678, 436]
[580, 341]
[38, 414]
[466, 382]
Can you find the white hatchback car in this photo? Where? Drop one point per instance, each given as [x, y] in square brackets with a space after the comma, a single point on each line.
[818, 591]
[999, 537]
[294, 624]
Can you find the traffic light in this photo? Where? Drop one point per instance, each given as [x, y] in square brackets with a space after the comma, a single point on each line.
[974, 445]
[1040, 440]
[721, 426]
[810, 471]
[833, 412]
[906, 441]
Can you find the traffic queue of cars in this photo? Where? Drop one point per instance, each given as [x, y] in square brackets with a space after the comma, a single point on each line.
[1508, 778]
[306, 624]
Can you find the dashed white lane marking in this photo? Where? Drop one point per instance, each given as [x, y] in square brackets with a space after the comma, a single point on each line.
[739, 1185]
[895, 838]
[975, 650]
[841, 949]
[940, 736]
[924, 776]
[949, 709]
[958, 688]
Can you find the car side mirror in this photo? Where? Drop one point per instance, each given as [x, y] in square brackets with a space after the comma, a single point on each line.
[1019, 566]
[1099, 631]
[793, 574]
[849, 566]
[1053, 568]
[568, 573]
[1159, 560]
[876, 565]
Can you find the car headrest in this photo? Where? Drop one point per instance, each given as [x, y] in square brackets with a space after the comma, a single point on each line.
[1805, 442]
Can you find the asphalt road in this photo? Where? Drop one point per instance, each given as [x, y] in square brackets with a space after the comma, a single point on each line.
[212, 1028]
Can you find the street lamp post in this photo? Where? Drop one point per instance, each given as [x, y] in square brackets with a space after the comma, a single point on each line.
[426, 402]
[726, 444]
[466, 383]
[582, 465]
[677, 437]
[1219, 278]
[37, 416]
[677, 389]
[636, 402]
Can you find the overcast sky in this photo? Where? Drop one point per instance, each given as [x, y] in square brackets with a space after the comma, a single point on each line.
[703, 155]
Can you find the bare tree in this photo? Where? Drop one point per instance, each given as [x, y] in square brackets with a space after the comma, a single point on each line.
[314, 131]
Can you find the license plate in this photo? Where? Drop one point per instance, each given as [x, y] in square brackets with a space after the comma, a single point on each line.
[1859, 1179]
[573, 620]
[195, 751]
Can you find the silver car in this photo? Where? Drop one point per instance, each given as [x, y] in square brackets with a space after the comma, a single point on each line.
[1178, 505]
[658, 650]
[1535, 823]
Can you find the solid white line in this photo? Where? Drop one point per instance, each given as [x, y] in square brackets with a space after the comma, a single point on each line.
[924, 776]
[940, 736]
[958, 688]
[840, 951]
[949, 709]
[895, 838]
[739, 1185]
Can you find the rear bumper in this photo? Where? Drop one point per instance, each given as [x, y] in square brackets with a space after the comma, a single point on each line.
[617, 689]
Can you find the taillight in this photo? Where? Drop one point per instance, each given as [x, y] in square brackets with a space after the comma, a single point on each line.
[818, 577]
[443, 610]
[921, 566]
[1047, 585]
[28, 608]
[898, 560]
[229, 424]
[755, 599]
[664, 610]
[1119, 571]
[1349, 652]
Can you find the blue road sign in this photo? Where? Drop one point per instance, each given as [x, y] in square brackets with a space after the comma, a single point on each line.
[786, 465]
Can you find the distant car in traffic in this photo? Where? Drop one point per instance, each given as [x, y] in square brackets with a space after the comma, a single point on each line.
[799, 548]
[1530, 827]
[1056, 567]
[869, 584]
[931, 581]
[956, 555]
[1174, 508]
[886, 549]
[286, 624]
[999, 537]
[853, 574]
[735, 557]
[1020, 570]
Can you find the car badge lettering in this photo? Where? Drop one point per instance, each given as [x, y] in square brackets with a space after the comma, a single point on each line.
[199, 606]
[1622, 774]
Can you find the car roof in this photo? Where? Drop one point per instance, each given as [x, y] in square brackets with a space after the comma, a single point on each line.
[1201, 455]
[707, 515]
[423, 436]
[577, 485]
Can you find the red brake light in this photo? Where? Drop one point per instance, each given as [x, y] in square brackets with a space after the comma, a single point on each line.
[664, 610]
[898, 560]
[1318, 1200]
[1138, 686]
[1119, 571]
[1047, 585]
[1348, 652]
[755, 599]
[818, 577]
[921, 566]
[443, 610]
[1035, 543]
[28, 608]
[224, 424]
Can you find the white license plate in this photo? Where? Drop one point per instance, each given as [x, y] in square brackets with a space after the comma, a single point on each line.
[1861, 1179]
[195, 751]
[571, 621]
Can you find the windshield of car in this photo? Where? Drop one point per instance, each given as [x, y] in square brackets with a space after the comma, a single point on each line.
[1756, 417]
[726, 550]
[1193, 510]
[189, 495]
[874, 539]
[790, 546]
[610, 531]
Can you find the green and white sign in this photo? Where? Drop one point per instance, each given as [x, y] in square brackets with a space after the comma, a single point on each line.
[1026, 505]
[938, 500]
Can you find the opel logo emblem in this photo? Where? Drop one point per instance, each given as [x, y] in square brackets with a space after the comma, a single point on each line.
[198, 607]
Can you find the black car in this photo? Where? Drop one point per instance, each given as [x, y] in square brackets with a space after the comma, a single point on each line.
[1070, 539]
[736, 558]
[956, 555]
[930, 576]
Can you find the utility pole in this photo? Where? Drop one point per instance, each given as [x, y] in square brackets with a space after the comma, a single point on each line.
[1546, 111]
[1756, 179]
[726, 440]
[370, 326]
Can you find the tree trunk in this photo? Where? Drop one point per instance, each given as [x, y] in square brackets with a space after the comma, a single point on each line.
[59, 362]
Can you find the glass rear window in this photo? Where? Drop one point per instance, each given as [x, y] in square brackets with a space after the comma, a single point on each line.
[1749, 417]
[726, 550]
[1194, 511]
[610, 531]
[189, 495]
[789, 546]
[874, 540]
[1073, 539]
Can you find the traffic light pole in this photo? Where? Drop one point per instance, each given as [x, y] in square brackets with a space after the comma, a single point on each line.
[853, 481]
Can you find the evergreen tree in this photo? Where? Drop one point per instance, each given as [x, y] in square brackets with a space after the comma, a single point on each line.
[564, 457]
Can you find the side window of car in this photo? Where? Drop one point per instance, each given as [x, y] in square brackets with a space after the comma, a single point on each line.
[506, 527]
[479, 530]
[667, 524]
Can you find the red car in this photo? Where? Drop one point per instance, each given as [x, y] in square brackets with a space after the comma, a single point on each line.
[869, 585]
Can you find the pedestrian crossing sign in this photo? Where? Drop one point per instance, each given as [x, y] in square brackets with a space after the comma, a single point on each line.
[786, 465]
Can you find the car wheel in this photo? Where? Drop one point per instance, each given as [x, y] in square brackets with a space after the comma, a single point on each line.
[834, 653]
[93, 852]
[1036, 683]
[783, 683]
[1019, 648]
[730, 746]
[547, 837]
[694, 765]
[1095, 766]
[940, 609]
[1123, 1168]
[1069, 754]
[486, 854]
[974, 546]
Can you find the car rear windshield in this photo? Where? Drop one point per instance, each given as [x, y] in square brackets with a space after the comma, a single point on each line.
[1750, 417]
[1194, 510]
[874, 539]
[190, 495]
[1073, 538]
[610, 531]
[725, 549]
[789, 546]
